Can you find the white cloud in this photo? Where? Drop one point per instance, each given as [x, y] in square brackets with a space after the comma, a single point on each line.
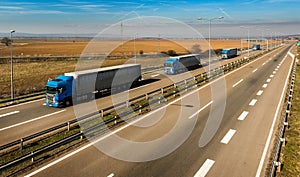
[11, 8]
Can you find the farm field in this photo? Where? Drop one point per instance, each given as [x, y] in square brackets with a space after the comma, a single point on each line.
[31, 76]
[75, 47]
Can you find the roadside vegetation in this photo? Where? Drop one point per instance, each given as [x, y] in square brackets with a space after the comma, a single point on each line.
[291, 151]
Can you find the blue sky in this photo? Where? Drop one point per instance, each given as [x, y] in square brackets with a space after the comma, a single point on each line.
[83, 17]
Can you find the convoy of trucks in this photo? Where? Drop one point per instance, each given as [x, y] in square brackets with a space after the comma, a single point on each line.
[229, 53]
[178, 64]
[83, 85]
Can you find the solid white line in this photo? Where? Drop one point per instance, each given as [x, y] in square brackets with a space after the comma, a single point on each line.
[204, 107]
[268, 80]
[31, 120]
[133, 122]
[264, 154]
[265, 85]
[234, 85]
[10, 113]
[259, 92]
[111, 175]
[205, 168]
[271, 76]
[22, 104]
[228, 136]
[254, 70]
[253, 102]
[243, 115]
[155, 75]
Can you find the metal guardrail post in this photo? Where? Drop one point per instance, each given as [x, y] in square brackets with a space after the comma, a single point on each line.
[32, 158]
[21, 143]
[68, 126]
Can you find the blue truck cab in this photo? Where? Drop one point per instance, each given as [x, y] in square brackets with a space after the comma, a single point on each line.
[170, 65]
[256, 46]
[59, 91]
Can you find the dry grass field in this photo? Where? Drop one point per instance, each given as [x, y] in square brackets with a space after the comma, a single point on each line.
[75, 47]
[32, 76]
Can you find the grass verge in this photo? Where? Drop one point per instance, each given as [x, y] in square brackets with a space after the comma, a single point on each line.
[291, 151]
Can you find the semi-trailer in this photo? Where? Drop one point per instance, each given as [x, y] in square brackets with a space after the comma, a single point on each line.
[177, 64]
[79, 86]
[229, 53]
[256, 47]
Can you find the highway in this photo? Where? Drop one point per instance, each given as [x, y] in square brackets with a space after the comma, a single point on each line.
[253, 96]
[25, 119]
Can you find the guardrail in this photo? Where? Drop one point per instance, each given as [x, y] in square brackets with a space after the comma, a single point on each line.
[138, 105]
[23, 97]
[276, 164]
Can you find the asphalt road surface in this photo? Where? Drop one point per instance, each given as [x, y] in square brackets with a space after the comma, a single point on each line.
[192, 136]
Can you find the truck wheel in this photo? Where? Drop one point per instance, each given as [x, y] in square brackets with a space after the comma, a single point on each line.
[68, 103]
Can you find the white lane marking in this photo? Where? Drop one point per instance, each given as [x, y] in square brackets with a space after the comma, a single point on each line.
[8, 114]
[268, 80]
[228, 136]
[259, 93]
[22, 104]
[264, 63]
[205, 168]
[278, 66]
[204, 107]
[234, 85]
[111, 175]
[276, 69]
[271, 76]
[44, 104]
[31, 120]
[133, 122]
[243, 115]
[274, 72]
[254, 70]
[253, 102]
[155, 75]
[264, 154]
[265, 86]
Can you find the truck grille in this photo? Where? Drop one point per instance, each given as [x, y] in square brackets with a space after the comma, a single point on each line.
[50, 98]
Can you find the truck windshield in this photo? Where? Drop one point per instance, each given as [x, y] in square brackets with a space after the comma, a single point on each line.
[51, 90]
[168, 64]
